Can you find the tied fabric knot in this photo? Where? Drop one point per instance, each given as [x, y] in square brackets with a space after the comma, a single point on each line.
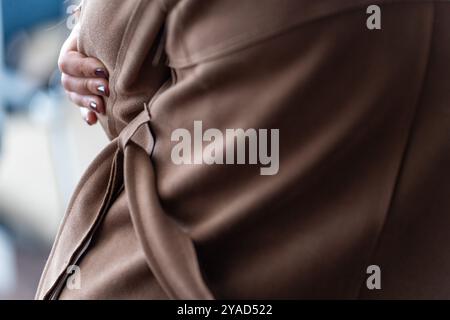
[169, 250]
[138, 131]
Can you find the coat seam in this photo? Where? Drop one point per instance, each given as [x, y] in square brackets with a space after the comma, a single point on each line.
[241, 42]
[126, 39]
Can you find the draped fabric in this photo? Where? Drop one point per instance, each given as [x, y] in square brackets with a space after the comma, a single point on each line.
[363, 152]
[164, 243]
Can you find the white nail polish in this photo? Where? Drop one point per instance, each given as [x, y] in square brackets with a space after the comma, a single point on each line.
[93, 106]
[101, 89]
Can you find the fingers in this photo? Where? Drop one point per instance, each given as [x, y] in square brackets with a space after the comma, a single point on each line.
[73, 63]
[85, 86]
[78, 65]
[91, 102]
[85, 79]
[89, 117]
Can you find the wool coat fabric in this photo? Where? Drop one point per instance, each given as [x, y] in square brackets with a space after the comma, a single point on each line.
[364, 173]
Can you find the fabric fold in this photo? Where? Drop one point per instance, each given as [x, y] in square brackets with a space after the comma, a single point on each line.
[169, 250]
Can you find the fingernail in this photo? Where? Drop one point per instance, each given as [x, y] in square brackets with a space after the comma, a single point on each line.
[93, 106]
[101, 73]
[102, 89]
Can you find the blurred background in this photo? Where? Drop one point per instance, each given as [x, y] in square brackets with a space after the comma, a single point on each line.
[44, 144]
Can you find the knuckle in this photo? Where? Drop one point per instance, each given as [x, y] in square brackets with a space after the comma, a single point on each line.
[65, 81]
[84, 67]
[85, 101]
[88, 85]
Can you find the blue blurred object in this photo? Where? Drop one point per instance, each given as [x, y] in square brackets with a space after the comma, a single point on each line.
[2, 47]
[2, 121]
[21, 15]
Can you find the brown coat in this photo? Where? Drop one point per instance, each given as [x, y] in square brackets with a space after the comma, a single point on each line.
[364, 178]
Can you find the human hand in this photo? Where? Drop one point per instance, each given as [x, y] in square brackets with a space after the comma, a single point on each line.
[84, 79]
